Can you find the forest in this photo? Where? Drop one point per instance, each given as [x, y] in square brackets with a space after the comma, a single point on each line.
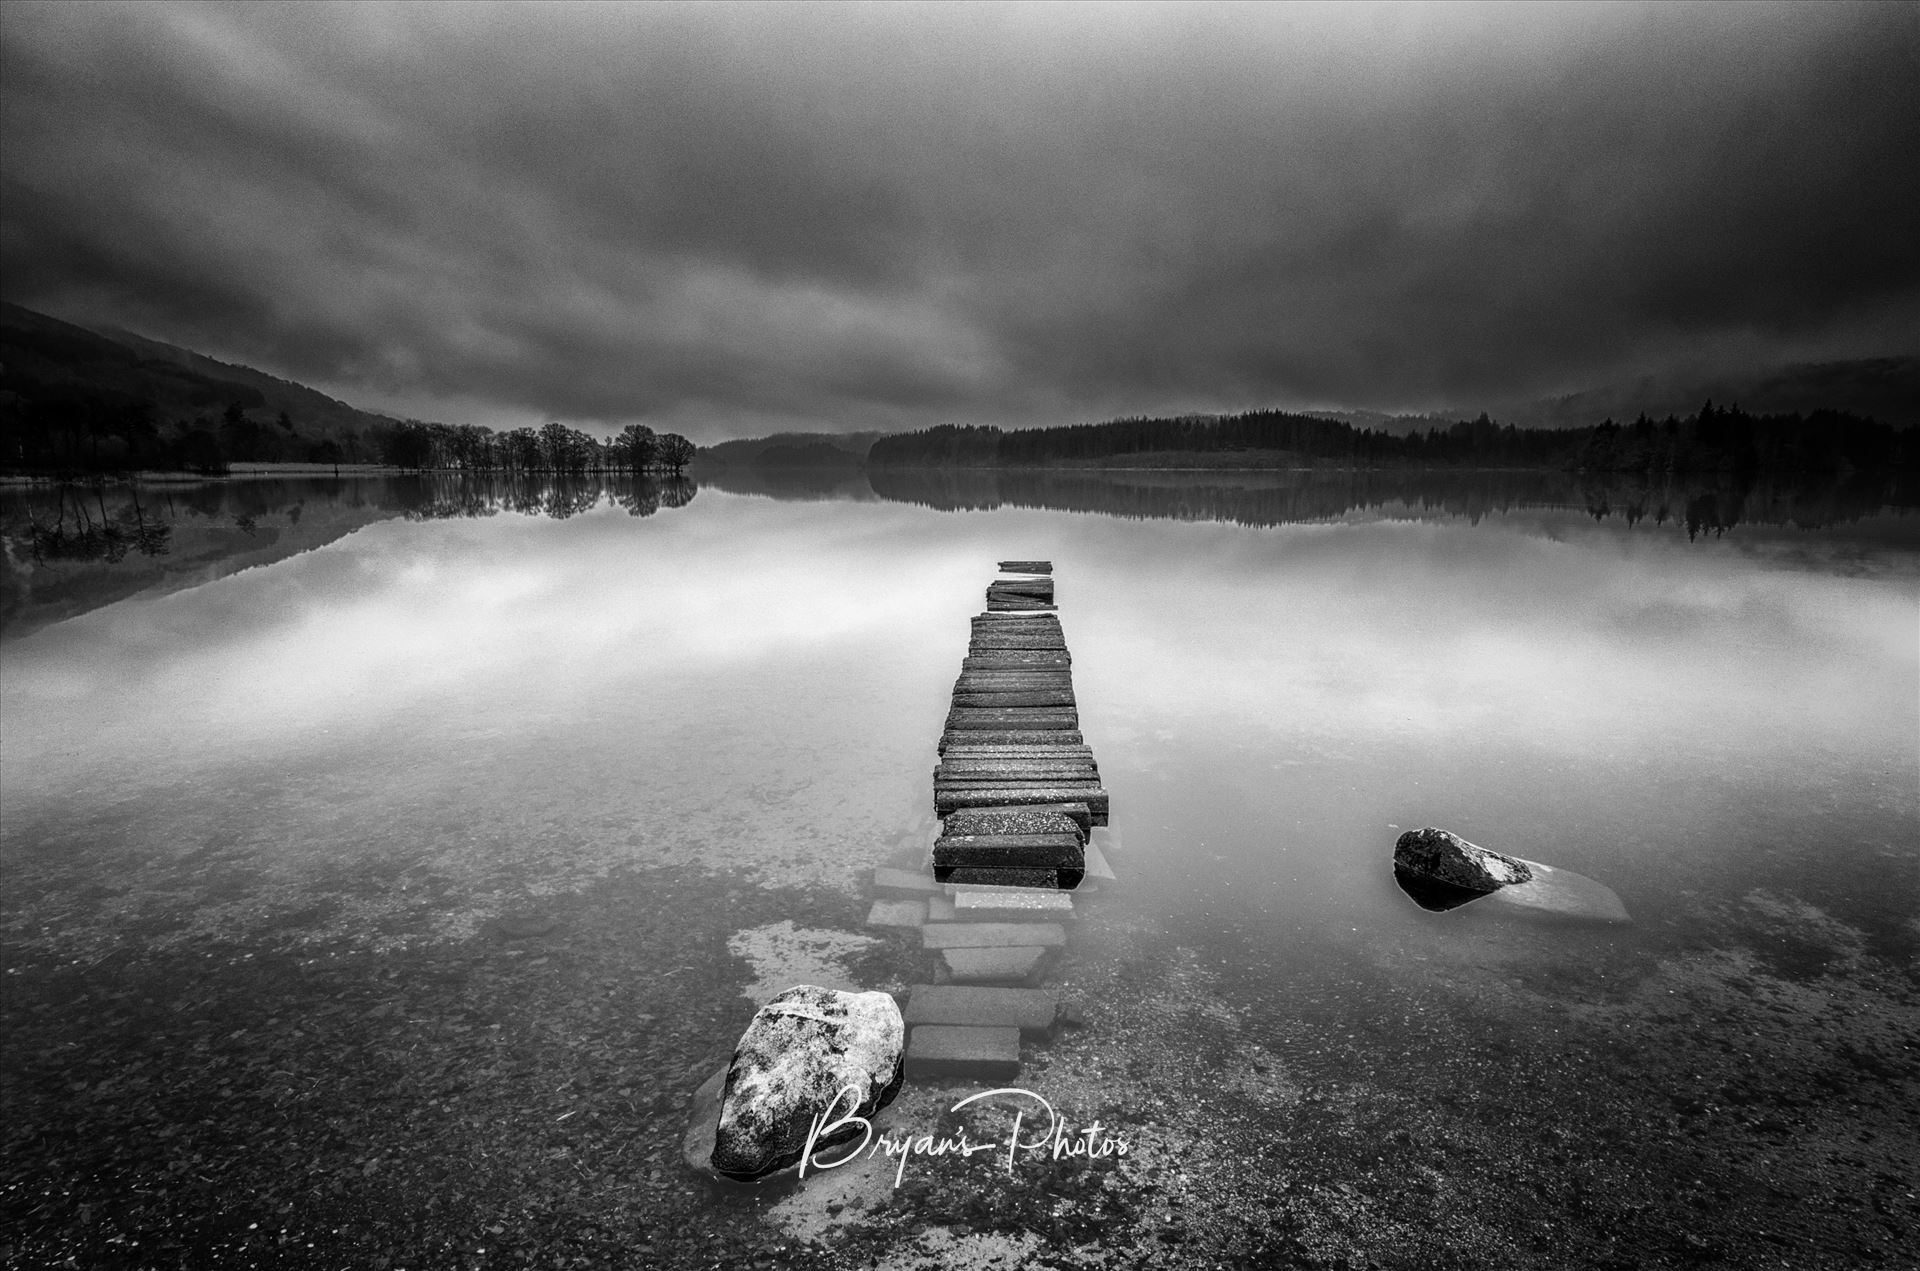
[1712, 440]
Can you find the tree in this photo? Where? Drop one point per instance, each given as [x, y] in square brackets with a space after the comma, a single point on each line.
[675, 451]
[637, 445]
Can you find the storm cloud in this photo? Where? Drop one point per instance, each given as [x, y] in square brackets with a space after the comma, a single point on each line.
[726, 220]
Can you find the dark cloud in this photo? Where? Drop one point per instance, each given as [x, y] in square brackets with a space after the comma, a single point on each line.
[726, 219]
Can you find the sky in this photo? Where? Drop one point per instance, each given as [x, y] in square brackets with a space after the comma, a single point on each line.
[726, 220]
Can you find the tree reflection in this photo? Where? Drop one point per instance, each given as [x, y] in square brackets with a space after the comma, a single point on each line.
[1705, 506]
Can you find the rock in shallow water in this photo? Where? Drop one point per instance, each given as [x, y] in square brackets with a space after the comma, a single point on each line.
[1439, 856]
[801, 1050]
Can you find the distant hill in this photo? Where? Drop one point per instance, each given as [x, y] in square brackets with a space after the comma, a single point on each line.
[75, 397]
[39, 350]
[1883, 389]
[790, 450]
[313, 412]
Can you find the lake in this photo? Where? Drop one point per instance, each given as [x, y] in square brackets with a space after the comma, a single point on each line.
[386, 861]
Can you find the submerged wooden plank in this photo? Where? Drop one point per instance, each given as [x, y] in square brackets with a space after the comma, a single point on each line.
[953, 1050]
[982, 935]
[897, 913]
[1031, 1011]
[1003, 964]
[1032, 901]
[903, 882]
[1011, 876]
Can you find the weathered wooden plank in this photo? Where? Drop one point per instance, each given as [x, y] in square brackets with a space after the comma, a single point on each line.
[980, 644]
[1041, 588]
[992, 621]
[1017, 660]
[1039, 750]
[1032, 1011]
[960, 752]
[1014, 697]
[1059, 818]
[1059, 850]
[1011, 681]
[955, 798]
[1014, 876]
[1081, 767]
[1027, 718]
[1014, 604]
[1011, 737]
[951, 1050]
[1026, 566]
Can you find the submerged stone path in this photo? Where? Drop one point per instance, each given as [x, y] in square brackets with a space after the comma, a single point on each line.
[1019, 798]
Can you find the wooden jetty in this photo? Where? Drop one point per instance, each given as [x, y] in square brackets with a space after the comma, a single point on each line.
[1018, 795]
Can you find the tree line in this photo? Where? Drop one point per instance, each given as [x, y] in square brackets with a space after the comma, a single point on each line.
[80, 428]
[552, 448]
[1712, 440]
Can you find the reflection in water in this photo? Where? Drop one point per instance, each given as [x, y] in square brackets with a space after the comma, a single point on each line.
[1282, 498]
[67, 549]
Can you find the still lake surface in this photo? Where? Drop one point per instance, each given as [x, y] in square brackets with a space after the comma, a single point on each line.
[587, 771]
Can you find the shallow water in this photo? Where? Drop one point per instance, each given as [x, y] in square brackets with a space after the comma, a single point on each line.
[342, 781]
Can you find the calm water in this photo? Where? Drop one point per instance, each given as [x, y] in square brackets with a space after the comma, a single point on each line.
[358, 724]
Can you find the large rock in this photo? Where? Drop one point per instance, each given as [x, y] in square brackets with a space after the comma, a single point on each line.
[1437, 856]
[801, 1050]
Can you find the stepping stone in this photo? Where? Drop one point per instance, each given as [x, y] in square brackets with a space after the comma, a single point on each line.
[1096, 864]
[897, 913]
[1000, 964]
[904, 882]
[990, 935]
[953, 1050]
[1047, 818]
[997, 903]
[1026, 567]
[940, 909]
[1058, 850]
[1029, 1010]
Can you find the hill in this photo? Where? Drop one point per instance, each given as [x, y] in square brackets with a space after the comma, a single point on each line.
[74, 398]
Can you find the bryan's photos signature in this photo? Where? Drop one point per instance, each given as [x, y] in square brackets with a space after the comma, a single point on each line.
[1089, 1143]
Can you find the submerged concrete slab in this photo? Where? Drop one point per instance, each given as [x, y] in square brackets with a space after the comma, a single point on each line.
[897, 913]
[1032, 1011]
[1005, 964]
[940, 909]
[950, 1050]
[986, 935]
